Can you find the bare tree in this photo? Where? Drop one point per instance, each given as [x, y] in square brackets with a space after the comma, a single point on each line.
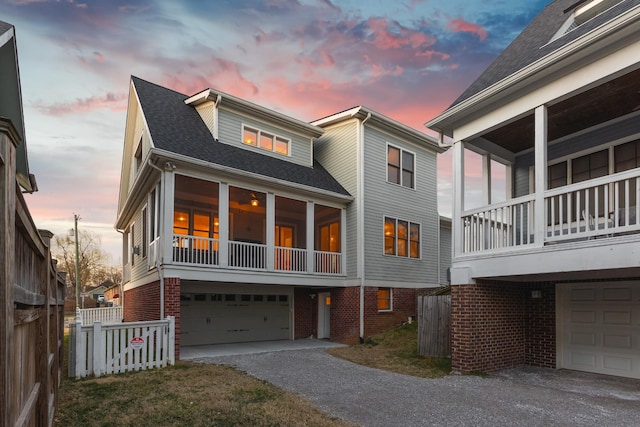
[94, 263]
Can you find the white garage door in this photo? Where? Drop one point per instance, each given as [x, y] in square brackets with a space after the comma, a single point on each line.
[600, 328]
[216, 318]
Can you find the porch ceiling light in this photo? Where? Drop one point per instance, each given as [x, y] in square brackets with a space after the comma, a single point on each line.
[254, 200]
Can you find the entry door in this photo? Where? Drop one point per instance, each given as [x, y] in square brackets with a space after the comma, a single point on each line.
[324, 315]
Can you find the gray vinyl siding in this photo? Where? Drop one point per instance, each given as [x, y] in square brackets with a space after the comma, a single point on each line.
[141, 266]
[601, 136]
[230, 132]
[445, 252]
[336, 150]
[417, 205]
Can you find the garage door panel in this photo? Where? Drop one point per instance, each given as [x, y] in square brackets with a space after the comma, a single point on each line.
[227, 318]
[600, 328]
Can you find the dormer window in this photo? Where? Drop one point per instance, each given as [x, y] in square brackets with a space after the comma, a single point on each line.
[265, 140]
[581, 12]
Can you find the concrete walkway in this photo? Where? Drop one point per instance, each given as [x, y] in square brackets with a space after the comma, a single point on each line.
[517, 397]
[217, 350]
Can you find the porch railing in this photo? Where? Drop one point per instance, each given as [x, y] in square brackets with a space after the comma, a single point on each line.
[328, 262]
[601, 207]
[502, 225]
[290, 259]
[195, 250]
[105, 315]
[251, 256]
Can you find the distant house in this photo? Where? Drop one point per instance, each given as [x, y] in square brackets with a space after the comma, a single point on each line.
[546, 269]
[247, 224]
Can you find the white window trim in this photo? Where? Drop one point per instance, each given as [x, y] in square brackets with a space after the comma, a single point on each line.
[415, 172]
[275, 137]
[390, 309]
[396, 240]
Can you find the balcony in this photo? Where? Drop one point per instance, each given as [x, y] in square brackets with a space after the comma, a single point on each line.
[205, 252]
[601, 208]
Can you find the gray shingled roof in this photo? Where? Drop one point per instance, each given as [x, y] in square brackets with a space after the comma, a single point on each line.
[531, 44]
[4, 27]
[178, 128]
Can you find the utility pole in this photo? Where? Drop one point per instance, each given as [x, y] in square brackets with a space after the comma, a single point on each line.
[75, 232]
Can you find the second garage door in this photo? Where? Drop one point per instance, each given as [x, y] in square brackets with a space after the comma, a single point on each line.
[216, 318]
[600, 328]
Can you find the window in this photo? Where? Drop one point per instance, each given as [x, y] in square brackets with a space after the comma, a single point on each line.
[384, 299]
[265, 140]
[138, 156]
[401, 238]
[133, 243]
[144, 232]
[400, 167]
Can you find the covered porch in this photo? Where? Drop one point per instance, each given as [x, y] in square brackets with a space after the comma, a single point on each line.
[564, 172]
[217, 225]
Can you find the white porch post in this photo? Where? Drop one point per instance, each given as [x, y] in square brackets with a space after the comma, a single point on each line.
[167, 193]
[223, 225]
[540, 222]
[486, 179]
[271, 227]
[310, 237]
[343, 241]
[458, 197]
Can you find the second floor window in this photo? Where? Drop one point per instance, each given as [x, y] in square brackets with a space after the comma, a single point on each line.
[401, 238]
[400, 167]
[265, 140]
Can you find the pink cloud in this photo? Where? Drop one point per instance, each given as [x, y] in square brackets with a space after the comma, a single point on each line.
[460, 25]
[111, 101]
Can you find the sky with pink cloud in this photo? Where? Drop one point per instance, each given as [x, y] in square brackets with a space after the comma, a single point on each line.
[407, 59]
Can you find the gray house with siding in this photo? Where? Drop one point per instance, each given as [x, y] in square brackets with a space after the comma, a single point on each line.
[247, 224]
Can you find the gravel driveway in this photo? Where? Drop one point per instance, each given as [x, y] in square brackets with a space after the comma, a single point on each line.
[517, 397]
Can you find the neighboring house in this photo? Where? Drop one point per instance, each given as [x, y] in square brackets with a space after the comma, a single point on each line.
[97, 291]
[113, 293]
[250, 225]
[546, 272]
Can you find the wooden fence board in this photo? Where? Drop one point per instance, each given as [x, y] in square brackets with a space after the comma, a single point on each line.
[434, 326]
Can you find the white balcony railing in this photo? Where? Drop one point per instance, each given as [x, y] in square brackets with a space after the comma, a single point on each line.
[601, 207]
[251, 256]
[200, 251]
[328, 262]
[195, 250]
[499, 226]
[290, 259]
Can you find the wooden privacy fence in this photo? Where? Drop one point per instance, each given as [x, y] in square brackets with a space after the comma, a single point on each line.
[31, 304]
[99, 349]
[104, 315]
[434, 325]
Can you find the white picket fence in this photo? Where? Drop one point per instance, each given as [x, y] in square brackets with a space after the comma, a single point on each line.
[99, 349]
[105, 315]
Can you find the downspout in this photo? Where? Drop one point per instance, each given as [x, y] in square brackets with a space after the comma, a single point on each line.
[361, 220]
[161, 234]
[121, 293]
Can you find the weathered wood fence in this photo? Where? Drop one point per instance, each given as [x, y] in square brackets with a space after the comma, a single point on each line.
[434, 325]
[99, 349]
[104, 315]
[31, 304]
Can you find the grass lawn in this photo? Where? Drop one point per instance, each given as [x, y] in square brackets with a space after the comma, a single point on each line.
[395, 350]
[187, 394]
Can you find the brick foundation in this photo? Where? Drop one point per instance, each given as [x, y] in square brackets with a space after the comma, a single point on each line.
[143, 304]
[404, 305]
[499, 325]
[306, 313]
[345, 315]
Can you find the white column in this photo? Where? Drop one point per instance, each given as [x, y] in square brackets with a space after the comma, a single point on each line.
[223, 224]
[540, 173]
[343, 240]
[486, 179]
[271, 227]
[310, 237]
[509, 184]
[167, 194]
[458, 196]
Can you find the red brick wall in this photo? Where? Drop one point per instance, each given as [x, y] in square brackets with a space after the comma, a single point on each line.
[403, 305]
[487, 326]
[172, 306]
[305, 313]
[540, 326]
[142, 303]
[345, 315]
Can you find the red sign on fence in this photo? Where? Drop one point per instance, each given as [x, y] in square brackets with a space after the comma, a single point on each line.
[136, 343]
